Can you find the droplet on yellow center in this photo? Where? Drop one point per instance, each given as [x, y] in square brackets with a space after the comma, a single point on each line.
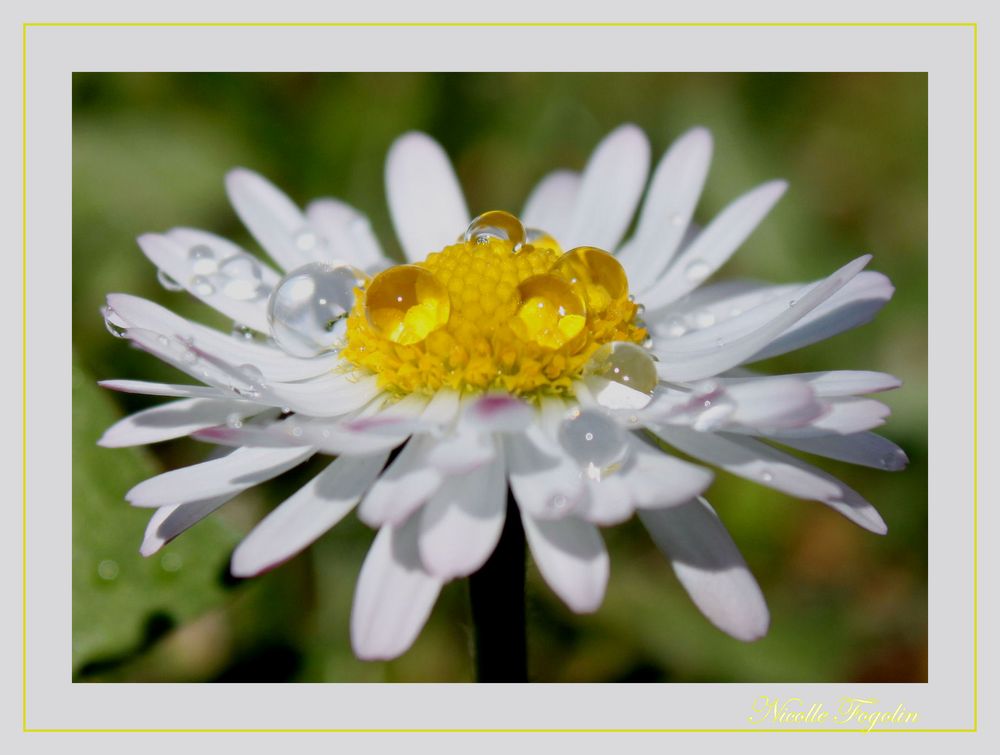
[595, 275]
[553, 314]
[406, 304]
[495, 224]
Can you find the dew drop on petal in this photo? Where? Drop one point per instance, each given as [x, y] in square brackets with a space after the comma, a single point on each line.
[113, 322]
[406, 303]
[306, 240]
[308, 309]
[201, 286]
[558, 502]
[202, 260]
[234, 421]
[240, 278]
[697, 270]
[677, 219]
[596, 276]
[495, 225]
[243, 333]
[167, 282]
[626, 364]
[766, 475]
[675, 328]
[704, 318]
[594, 441]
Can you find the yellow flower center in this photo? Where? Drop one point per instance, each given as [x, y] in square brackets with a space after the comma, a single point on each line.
[500, 309]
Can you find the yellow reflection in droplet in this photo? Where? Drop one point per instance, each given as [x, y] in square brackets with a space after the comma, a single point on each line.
[595, 275]
[553, 314]
[406, 304]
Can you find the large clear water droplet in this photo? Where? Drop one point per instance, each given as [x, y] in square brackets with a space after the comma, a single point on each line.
[594, 441]
[630, 373]
[113, 322]
[495, 225]
[201, 286]
[309, 307]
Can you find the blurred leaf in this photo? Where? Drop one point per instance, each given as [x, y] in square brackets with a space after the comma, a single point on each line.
[121, 601]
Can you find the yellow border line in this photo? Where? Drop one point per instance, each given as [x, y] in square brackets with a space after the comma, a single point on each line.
[655, 24]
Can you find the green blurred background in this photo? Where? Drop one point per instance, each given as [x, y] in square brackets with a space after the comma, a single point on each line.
[150, 152]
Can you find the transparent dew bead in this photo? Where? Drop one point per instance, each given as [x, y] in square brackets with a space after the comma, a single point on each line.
[495, 224]
[308, 308]
[240, 278]
[201, 286]
[202, 260]
[597, 277]
[594, 441]
[553, 314]
[627, 364]
[697, 270]
[406, 303]
[167, 282]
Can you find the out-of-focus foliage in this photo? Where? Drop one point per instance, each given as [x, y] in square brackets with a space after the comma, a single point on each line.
[150, 152]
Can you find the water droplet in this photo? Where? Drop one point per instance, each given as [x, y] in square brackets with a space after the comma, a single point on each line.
[113, 322]
[675, 328]
[108, 570]
[735, 312]
[167, 282]
[306, 240]
[243, 333]
[297, 431]
[254, 380]
[240, 278]
[677, 219]
[538, 237]
[594, 441]
[201, 286]
[558, 502]
[895, 459]
[625, 364]
[697, 270]
[719, 343]
[791, 303]
[163, 341]
[551, 314]
[495, 225]
[309, 307]
[704, 319]
[190, 356]
[202, 260]
[171, 561]
[406, 303]
[596, 276]
[234, 421]
[766, 475]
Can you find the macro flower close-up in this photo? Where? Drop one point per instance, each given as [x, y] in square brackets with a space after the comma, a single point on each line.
[553, 369]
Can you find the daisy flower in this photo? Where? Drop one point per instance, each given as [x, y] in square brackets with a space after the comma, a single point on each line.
[537, 355]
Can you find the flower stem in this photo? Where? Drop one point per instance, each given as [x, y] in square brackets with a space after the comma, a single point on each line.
[497, 595]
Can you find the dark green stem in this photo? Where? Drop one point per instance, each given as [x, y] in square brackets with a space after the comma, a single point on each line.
[497, 595]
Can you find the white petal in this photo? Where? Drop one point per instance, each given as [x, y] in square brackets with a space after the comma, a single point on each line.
[545, 482]
[273, 219]
[164, 389]
[844, 416]
[327, 396]
[425, 200]
[608, 501]
[173, 420]
[714, 245]
[854, 305]
[168, 522]
[831, 383]
[710, 566]
[394, 595]
[498, 413]
[693, 363]
[348, 233]
[243, 468]
[550, 204]
[273, 363]
[406, 484]
[310, 512]
[461, 523]
[670, 202]
[170, 253]
[656, 479]
[866, 449]
[609, 190]
[773, 402]
[765, 465]
[571, 558]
